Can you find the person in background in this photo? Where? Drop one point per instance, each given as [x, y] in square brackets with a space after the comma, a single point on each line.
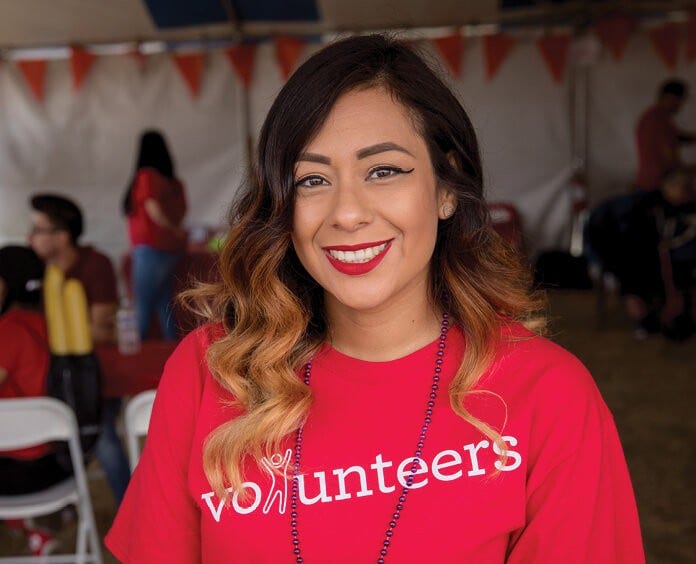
[658, 139]
[656, 262]
[24, 361]
[675, 220]
[155, 205]
[56, 226]
[369, 387]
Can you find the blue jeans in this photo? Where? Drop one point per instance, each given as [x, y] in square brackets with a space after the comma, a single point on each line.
[109, 450]
[153, 276]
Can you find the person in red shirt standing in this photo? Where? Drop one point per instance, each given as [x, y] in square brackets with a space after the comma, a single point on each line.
[658, 139]
[155, 204]
[24, 360]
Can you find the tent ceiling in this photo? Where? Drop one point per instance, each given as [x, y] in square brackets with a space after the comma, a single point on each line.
[34, 23]
[28, 23]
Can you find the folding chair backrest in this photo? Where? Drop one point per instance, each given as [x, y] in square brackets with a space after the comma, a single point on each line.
[137, 421]
[26, 422]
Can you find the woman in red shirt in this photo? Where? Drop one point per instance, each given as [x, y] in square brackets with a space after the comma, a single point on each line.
[24, 360]
[366, 390]
[155, 204]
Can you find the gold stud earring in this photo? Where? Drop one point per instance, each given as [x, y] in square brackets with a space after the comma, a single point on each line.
[447, 211]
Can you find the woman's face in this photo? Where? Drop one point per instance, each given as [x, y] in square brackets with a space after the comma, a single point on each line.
[367, 205]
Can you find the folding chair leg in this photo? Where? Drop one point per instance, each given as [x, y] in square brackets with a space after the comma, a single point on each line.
[93, 537]
[81, 539]
[96, 546]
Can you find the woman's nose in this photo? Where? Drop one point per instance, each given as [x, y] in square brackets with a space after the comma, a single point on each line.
[351, 207]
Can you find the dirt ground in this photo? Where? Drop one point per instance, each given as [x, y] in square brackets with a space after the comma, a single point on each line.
[650, 387]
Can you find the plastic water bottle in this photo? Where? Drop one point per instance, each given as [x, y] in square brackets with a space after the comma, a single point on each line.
[127, 329]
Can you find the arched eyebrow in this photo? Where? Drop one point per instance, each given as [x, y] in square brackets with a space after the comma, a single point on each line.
[381, 148]
[361, 154]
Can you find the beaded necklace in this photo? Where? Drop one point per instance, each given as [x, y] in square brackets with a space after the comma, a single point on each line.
[386, 543]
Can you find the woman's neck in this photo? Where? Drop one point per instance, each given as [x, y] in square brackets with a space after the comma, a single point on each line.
[385, 333]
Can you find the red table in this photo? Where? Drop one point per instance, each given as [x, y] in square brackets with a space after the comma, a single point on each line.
[128, 375]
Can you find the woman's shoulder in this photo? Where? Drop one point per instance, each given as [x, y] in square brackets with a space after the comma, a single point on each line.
[148, 172]
[186, 371]
[535, 365]
[24, 321]
[149, 176]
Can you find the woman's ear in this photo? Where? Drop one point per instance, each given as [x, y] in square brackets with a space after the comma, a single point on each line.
[447, 201]
[447, 204]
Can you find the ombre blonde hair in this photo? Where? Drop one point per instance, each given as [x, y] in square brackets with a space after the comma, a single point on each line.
[272, 311]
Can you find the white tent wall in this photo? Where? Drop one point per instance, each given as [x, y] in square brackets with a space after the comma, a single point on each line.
[83, 144]
[522, 120]
[619, 92]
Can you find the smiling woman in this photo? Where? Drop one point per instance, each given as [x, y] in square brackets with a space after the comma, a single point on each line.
[367, 196]
[366, 389]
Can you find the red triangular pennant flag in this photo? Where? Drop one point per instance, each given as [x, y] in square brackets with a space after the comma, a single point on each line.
[139, 57]
[496, 48]
[691, 37]
[34, 72]
[614, 31]
[554, 50]
[288, 50]
[191, 68]
[242, 58]
[452, 50]
[665, 39]
[80, 63]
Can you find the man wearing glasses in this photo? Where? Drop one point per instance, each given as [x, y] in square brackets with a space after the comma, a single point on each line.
[56, 225]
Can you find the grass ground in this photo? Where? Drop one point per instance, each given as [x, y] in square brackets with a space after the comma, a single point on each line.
[650, 387]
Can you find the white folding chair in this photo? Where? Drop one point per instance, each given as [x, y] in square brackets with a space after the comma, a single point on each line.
[26, 422]
[137, 421]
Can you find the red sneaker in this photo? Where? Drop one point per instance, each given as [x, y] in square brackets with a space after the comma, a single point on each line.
[41, 542]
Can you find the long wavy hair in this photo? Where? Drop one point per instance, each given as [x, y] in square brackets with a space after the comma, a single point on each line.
[272, 311]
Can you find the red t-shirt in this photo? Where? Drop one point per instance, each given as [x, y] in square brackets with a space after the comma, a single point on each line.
[169, 193]
[562, 495]
[96, 273]
[655, 133]
[24, 355]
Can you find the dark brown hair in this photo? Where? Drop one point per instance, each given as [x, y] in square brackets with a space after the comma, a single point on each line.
[272, 310]
[63, 213]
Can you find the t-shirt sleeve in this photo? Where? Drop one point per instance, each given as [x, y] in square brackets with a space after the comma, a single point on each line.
[24, 359]
[580, 504]
[12, 340]
[100, 282]
[158, 521]
[147, 185]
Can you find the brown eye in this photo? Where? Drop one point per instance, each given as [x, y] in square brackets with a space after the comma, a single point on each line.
[311, 181]
[382, 172]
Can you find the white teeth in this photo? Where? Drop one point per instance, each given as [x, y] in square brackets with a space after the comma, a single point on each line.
[360, 256]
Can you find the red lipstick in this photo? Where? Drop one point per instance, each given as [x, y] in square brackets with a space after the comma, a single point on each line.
[357, 268]
[355, 247]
